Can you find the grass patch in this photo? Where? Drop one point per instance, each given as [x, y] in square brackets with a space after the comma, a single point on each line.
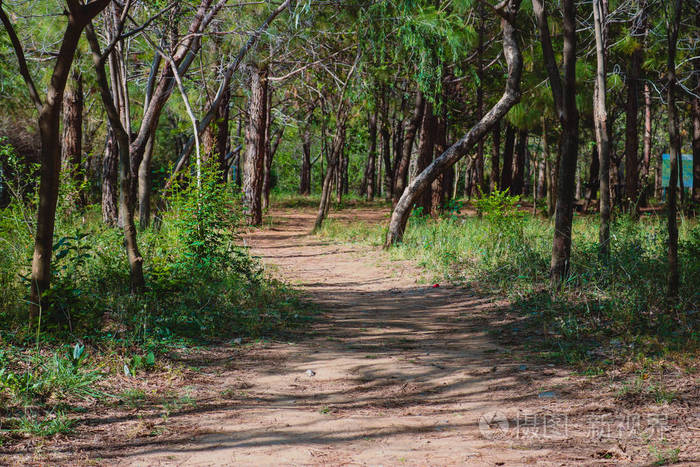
[607, 308]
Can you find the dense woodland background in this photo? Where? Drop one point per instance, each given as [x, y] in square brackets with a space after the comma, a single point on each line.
[521, 142]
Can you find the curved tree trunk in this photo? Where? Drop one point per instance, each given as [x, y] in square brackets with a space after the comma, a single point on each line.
[510, 97]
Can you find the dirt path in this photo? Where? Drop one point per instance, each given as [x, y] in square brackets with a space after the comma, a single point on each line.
[401, 374]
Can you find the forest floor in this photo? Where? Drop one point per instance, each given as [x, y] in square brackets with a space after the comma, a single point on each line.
[393, 371]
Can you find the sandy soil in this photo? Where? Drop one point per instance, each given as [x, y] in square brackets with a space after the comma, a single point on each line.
[401, 373]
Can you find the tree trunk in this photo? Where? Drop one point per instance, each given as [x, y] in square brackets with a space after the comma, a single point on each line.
[305, 182]
[519, 163]
[78, 16]
[401, 174]
[673, 24]
[73, 127]
[631, 113]
[479, 163]
[397, 143]
[385, 148]
[600, 117]
[510, 97]
[369, 178]
[439, 186]
[592, 184]
[564, 96]
[255, 145]
[696, 129]
[507, 170]
[146, 184]
[267, 161]
[110, 167]
[646, 156]
[495, 156]
[425, 153]
[337, 147]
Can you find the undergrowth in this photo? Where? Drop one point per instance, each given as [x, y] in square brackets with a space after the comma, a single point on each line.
[507, 252]
[202, 286]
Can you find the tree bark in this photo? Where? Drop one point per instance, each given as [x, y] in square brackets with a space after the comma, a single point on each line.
[564, 96]
[110, 172]
[646, 151]
[507, 170]
[439, 186]
[672, 26]
[409, 135]
[305, 181]
[600, 117]
[511, 95]
[337, 146]
[519, 163]
[267, 158]
[696, 128]
[78, 16]
[73, 127]
[495, 157]
[370, 171]
[425, 153]
[255, 145]
[631, 113]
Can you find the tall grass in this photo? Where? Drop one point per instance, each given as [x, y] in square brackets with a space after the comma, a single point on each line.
[508, 254]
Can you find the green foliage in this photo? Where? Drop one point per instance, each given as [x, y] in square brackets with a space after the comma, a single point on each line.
[47, 426]
[60, 376]
[507, 251]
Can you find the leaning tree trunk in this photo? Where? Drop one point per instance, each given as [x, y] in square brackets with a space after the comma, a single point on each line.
[255, 146]
[674, 151]
[600, 117]
[510, 97]
[401, 173]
